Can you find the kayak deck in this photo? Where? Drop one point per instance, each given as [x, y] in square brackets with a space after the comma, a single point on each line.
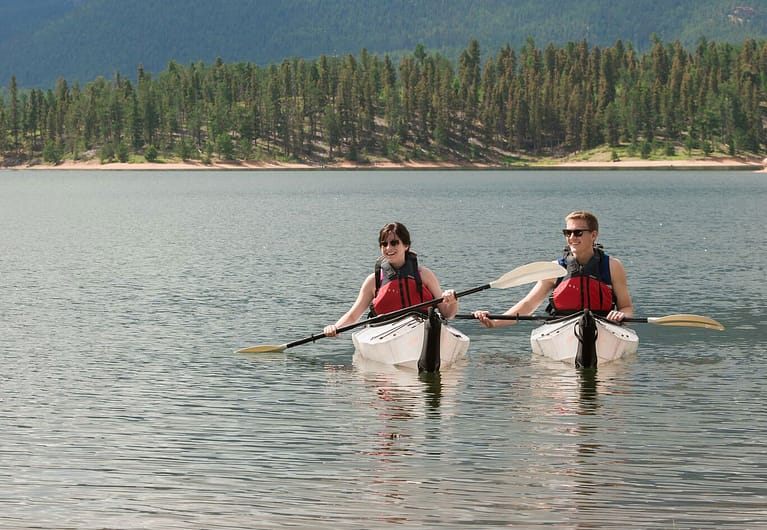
[559, 340]
[401, 342]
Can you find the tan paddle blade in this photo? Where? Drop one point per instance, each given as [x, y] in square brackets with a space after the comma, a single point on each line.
[695, 321]
[532, 272]
[263, 349]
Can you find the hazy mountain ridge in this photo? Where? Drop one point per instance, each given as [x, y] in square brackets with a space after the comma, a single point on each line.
[80, 40]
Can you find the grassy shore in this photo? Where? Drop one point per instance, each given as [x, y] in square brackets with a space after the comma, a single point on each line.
[602, 158]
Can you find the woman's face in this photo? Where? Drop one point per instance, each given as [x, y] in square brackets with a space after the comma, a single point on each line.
[393, 249]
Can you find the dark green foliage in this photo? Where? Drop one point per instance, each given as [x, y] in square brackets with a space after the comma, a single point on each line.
[184, 149]
[107, 153]
[646, 149]
[51, 152]
[671, 150]
[151, 153]
[225, 147]
[122, 151]
[534, 101]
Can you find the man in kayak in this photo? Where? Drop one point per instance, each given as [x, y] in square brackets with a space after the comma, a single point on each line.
[397, 282]
[594, 280]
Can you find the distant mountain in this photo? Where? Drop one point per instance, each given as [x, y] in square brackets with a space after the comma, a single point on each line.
[23, 17]
[79, 40]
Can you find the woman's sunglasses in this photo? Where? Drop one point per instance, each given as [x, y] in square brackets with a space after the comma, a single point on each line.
[576, 233]
[392, 243]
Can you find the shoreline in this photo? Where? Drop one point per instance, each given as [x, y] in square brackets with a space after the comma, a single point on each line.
[702, 163]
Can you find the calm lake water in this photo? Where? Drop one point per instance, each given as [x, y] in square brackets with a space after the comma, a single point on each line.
[123, 405]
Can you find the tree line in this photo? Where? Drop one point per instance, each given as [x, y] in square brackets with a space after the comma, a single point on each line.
[533, 101]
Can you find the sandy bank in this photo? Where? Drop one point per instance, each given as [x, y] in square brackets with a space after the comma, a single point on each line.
[705, 163]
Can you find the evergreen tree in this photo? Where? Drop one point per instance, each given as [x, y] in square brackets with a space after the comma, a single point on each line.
[14, 115]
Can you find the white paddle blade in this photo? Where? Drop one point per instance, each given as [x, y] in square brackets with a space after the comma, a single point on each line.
[532, 272]
[694, 321]
[263, 349]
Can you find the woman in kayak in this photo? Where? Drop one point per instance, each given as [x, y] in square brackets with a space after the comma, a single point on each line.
[397, 282]
[594, 280]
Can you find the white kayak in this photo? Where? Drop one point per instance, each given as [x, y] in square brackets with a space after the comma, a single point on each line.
[405, 341]
[583, 341]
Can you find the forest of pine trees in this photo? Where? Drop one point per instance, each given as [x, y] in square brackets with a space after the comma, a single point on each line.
[531, 101]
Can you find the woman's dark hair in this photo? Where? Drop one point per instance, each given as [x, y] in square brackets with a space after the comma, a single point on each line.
[398, 229]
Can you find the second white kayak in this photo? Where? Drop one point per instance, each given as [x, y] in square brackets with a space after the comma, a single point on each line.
[562, 339]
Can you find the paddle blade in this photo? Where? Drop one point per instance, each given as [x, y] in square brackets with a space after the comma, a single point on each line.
[694, 321]
[532, 272]
[263, 349]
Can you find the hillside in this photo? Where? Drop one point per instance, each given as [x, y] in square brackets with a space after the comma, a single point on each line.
[80, 40]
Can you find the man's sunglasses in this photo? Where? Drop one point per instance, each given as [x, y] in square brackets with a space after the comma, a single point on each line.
[576, 233]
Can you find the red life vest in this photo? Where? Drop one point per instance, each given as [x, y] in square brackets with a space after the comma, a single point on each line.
[398, 288]
[584, 287]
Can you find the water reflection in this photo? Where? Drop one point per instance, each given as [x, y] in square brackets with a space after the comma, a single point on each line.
[408, 392]
[581, 418]
[432, 389]
[588, 381]
[404, 400]
[580, 389]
